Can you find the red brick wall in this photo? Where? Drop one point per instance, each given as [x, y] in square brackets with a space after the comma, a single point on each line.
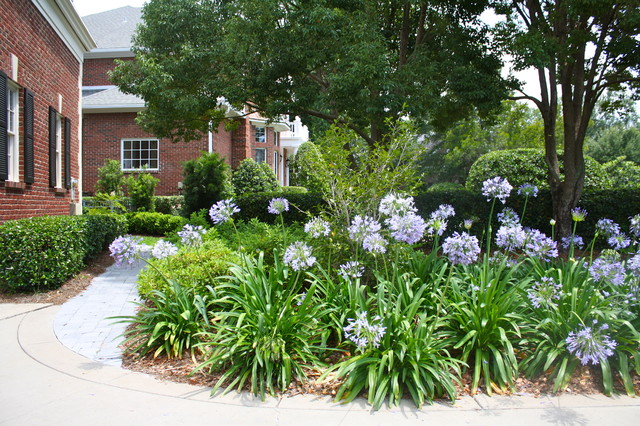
[102, 135]
[47, 68]
[95, 71]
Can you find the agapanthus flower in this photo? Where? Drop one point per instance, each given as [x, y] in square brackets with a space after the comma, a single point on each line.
[394, 205]
[576, 239]
[163, 249]
[634, 226]
[408, 228]
[301, 297]
[590, 344]
[375, 243]
[467, 223]
[317, 227]
[443, 212]
[633, 265]
[607, 227]
[528, 190]
[461, 248]
[222, 211]
[298, 256]
[125, 249]
[278, 205]
[191, 235]
[364, 334]
[578, 214]
[363, 226]
[607, 270]
[619, 241]
[544, 293]
[508, 217]
[496, 187]
[351, 269]
[511, 237]
[539, 245]
[436, 226]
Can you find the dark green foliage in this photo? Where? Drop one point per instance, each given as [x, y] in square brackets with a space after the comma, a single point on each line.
[253, 177]
[614, 142]
[147, 223]
[110, 178]
[141, 189]
[616, 204]
[193, 269]
[207, 180]
[467, 204]
[520, 166]
[304, 168]
[41, 253]
[302, 206]
[623, 174]
[169, 204]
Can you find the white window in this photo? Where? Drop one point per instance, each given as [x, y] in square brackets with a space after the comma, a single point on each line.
[138, 154]
[261, 134]
[275, 163]
[13, 144]
[58, 151]
[261, 155]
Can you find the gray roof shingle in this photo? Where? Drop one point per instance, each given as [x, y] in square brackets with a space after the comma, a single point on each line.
[111, 97]
[113, 29]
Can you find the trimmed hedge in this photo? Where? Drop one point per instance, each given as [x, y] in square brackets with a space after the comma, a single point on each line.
[169, 204]
[302, 206]
[41, 253]
[159, 224]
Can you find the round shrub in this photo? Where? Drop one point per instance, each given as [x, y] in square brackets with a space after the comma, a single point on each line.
[193, 269]
[254, 177]
[303, 205]
[524, 165]
[207, 180]
[305, 166]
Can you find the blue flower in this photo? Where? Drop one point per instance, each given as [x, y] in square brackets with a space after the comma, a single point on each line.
[578, 214]
[576, 239]
[375, 243]
[607, 270]
[298, 256]
[634, 227]
[191, 236]
[364, 334]
[222, 211]
[461, 248]
[317, 227]
[443, 212]
[633, 265]
[539, 245]
[508, 217]
[607, 227]
[619, 241]
[511, 237]
[408, 228]
[590, 344]
[351, 269]
[528, 190]
[125, 249]
[496, 187]
[361, 227]
[278, 205]
[163, 249]
[394, 205]
[544, 293]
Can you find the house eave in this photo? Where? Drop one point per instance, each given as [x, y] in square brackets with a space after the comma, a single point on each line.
[111, 53]
[104, 109]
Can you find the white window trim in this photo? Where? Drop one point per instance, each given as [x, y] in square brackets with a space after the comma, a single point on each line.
[265, 155]
[59, 151]
[13, 133]
[276, 163]
[149, 169]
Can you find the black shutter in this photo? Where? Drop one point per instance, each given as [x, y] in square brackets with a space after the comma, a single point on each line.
[67, 153]
[53, 116]
[4, 161]
[29, 176]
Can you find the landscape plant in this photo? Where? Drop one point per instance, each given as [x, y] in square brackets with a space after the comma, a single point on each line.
[141, 188]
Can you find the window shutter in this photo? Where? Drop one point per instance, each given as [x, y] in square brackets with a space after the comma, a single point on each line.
[67, 153]
[29, 176]
[52, 147]
[4, 161]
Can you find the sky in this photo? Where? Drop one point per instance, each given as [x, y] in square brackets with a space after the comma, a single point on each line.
[89, 7]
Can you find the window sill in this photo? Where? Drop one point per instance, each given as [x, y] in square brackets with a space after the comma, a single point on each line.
[11, 186]
[152, 171]
[59, 191]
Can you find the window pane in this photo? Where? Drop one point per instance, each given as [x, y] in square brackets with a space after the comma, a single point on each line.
[153, 145]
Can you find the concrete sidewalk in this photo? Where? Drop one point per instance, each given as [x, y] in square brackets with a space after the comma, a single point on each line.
[59, 365]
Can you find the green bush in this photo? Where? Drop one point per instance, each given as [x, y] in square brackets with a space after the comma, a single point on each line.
[169, 204]
[302, 205]
[207, 180]
[147, 223]
[623, 174]
[41, 253]
[520, 166]
[141, 189]
[286, 190]
[110, 178]
[304, 168]
[253, 177]
[193, 269]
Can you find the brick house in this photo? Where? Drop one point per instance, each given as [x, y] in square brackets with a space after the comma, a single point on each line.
[42, 45]
[110, 131]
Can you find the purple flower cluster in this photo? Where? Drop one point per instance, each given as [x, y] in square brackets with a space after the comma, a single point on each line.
[544, 293]
[461, 248]
[278, 205]
[575, 239]
[317, 227]
[607, 270]
[393, 205]
[351, 269]
[163, 249]
[578, 214]
[619, 242]
[298, 256]
[408, 228]
[607, 227]
[496, 187]
[633, 265]
[634, 227]
[590, 344]
[443, 212]
[361, 227]
[125, 249]
[375, 243]
[222, 211]
[508, 217]
[539, 245]
[364, 334]
[528, 190]
[511, 237]
[191, 236]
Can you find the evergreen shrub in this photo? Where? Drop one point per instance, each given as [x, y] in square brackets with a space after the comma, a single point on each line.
[147, 223]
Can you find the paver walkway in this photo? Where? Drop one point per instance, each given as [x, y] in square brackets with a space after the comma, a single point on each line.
[82, 324]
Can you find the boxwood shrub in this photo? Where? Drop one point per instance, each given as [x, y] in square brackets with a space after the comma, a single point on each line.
[148, 223]
[41, 253]
[169, 204]
[303, 205]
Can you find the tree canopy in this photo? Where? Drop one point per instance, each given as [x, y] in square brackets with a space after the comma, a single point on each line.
[357, 63]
